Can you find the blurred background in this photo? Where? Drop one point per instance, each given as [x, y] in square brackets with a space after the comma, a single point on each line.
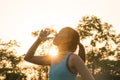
[97, 22]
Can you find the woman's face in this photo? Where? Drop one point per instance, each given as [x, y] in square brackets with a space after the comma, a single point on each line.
[59, 37]
[62, 37]
[66, 40]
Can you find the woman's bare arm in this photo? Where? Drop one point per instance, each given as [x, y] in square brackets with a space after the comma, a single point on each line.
[40, 60]
[81, 68]
[30, 56]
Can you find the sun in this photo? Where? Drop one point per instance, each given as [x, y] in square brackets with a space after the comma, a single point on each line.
[53, 51]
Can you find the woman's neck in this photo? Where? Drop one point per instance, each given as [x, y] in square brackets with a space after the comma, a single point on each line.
[62, 52]
[60, 56]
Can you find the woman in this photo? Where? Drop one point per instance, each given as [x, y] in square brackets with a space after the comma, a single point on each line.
[66, 64]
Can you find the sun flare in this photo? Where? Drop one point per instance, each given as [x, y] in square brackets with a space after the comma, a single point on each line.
[53, 51]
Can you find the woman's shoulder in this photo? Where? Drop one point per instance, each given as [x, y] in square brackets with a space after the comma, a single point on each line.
[74, 55]
[74, 58]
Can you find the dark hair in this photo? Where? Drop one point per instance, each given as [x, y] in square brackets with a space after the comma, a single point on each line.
[81, 52]
[74, 41]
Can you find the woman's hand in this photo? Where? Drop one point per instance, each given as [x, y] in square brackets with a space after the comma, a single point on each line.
[43, 34]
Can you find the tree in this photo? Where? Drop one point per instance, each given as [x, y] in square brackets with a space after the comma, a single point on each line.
[9, 61]
[102, 42]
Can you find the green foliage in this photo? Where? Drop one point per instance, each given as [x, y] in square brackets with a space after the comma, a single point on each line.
[9, 61]
[104, 43]
[36, 33]
[110, 70]
[87, 25]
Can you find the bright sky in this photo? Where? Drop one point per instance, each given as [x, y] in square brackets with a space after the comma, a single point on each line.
[18, 18]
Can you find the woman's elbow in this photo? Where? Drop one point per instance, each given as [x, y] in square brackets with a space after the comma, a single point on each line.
[27, 58]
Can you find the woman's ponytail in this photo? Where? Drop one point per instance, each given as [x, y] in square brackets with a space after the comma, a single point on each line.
[81, 52]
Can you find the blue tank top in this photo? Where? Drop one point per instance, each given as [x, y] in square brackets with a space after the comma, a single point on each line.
[60, 70]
